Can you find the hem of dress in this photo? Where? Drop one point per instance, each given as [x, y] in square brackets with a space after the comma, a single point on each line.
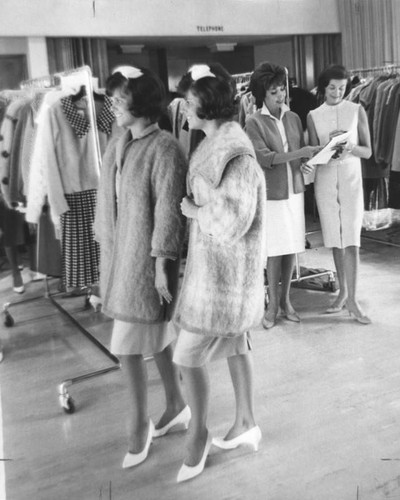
[208, 333]
[130, 319]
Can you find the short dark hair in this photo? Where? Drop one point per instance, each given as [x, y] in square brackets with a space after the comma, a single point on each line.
[147, 93]
[332, 72]
[263, 77]
[216, 94]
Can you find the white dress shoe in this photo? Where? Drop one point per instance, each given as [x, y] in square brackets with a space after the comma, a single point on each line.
[251, 438]
[182, 420]
[132, 459]
[187, 472]
[19, 289]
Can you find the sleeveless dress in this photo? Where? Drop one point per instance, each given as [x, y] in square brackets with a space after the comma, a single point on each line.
[338, 184]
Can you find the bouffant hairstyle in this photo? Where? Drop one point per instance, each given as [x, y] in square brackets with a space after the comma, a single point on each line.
[263, 77]
[147, 93]
[216, 94]
[332, 72]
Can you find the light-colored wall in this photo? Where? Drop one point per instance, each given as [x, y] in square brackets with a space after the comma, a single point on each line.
[167, 17]
[11, 46]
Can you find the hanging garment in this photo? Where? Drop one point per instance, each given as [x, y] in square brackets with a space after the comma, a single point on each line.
[394, 190]
[48, 246]
[80, 252]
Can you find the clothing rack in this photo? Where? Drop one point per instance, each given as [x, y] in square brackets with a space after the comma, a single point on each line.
[387, 69]
[72, 79]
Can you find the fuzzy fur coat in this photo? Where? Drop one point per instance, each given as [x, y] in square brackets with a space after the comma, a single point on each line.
[145, 223]
[222, 292]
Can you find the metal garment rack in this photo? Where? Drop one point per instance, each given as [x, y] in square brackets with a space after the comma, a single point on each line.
[70, 79]
[65, 400]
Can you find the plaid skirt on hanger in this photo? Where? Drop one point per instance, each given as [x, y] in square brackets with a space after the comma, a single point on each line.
[80, 251]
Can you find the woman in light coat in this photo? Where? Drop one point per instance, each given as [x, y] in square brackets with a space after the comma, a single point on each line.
[140, 229]
[222, 294]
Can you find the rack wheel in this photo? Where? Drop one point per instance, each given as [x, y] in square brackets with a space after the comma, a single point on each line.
[8, 319]
[67, 403]
[332, 286]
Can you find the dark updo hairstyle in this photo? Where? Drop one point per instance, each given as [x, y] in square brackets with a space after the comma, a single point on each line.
[264, 76]
[147, 93]
[216, 94]
[332, 72]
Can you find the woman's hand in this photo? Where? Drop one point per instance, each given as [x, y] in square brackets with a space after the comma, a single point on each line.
[310, 151]
[161, 280]
[189, 208]
[306, 169]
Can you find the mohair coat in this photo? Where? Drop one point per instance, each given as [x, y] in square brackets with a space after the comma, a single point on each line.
[145, 223]
[222, 292]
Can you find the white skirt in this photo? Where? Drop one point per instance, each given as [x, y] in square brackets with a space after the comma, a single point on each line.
[286, 223]
[194, 349]
[140, 338]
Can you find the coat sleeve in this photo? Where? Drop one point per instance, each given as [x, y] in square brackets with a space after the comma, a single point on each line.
[265, 156]
[230, 213]
[168, 190]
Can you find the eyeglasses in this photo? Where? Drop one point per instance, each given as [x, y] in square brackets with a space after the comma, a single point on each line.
[190, 102]
[117, 101]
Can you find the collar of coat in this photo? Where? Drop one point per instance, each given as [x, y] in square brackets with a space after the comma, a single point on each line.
[81, 124]
[214, 153]
[127, 138]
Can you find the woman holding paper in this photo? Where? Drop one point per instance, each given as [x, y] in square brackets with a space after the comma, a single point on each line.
[338, 184]
[277, 137]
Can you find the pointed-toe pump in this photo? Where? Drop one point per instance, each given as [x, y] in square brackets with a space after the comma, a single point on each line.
[336, 307]
[359, 315]
[187, 472]
[292, 316]
[251, 438]
[361, 318]
[181, 421]
[133, 459]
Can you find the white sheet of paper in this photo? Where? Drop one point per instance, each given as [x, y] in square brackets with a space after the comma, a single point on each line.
[327, 152]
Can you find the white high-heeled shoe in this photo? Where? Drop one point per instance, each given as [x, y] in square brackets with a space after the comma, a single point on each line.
[251, 438]
[182, 420]
[187, 472]
[133, 459]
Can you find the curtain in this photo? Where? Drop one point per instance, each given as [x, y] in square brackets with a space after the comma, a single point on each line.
[318, 51]
[327, 50]
[70, 53]
[369, 34]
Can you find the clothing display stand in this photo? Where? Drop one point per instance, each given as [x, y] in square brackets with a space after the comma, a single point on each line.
[387, 69]
[74, 80]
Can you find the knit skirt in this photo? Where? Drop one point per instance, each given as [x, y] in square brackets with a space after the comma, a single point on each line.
[80, 252]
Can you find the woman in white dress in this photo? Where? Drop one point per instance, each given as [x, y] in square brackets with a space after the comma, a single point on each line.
[277, 137]
[338, 184]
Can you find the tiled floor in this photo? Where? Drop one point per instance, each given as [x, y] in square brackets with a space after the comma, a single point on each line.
[327, 401]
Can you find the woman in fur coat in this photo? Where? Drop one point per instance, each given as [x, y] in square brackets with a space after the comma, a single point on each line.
[222, 294]
[140, 229]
